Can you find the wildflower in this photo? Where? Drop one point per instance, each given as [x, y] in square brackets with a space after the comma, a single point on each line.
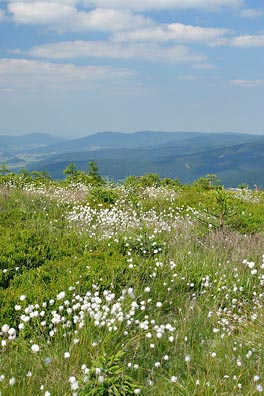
[187, 358]
[5, 328]
[61, 295]
[74, 383]
[67, 355]
[174, 378]
[259, 388]
[101, 379]
[35, 348]
[12, 381]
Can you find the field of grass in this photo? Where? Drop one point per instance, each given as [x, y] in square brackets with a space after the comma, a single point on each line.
[155, 289]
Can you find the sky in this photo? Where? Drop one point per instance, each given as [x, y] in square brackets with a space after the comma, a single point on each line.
[71, 68]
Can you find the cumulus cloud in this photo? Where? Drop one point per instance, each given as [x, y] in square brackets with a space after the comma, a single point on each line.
[248, 41]
[141, 5]
[171, 32]
[251, 13]
[2, 15]
[65, 16]
[24, 73]
[108, 49]
[247, 83]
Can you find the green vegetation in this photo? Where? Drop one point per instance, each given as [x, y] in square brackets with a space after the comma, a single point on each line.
[150, 287]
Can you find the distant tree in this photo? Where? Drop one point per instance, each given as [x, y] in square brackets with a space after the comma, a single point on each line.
[243, 186]
[150, 180]
[93, 173]
[71, 170]
[41, 175]
[208, 182]
[3, 169]
[170, 182]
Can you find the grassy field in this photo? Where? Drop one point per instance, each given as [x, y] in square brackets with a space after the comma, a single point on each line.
[147, 288]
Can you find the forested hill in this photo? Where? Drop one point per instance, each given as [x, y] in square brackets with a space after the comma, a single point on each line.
[235, 158]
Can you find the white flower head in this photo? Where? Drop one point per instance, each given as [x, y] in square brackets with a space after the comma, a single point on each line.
[35, 348]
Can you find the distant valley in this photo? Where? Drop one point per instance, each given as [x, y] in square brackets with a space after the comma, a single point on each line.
[235, 158]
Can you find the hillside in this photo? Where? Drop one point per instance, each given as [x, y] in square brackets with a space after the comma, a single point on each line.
[235, 158]
[13, 144]
[233, 163]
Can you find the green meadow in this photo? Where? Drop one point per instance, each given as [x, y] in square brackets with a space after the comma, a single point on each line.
[148, 287]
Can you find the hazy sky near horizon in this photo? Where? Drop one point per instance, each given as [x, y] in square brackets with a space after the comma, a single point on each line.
[71, 68]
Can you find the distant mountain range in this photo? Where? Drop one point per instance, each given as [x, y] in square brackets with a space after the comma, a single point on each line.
[234, 157]
[25, 142]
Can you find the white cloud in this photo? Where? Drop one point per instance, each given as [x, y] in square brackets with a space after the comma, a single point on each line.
[187, 77]
[2, 15]
[40, 12]
[109, 49]
[65, 16]
[247, 83]
[251, 13]
[172, 32]
[204, 66]
[141, 5]
[247, 41]
[25, 74]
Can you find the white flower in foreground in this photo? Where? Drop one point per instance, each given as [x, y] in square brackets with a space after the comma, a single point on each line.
[259, 388]
[74, 383]
[187, 358]
[47, 393]
[5, 328]
[137, 391]
[67, 355]
[12, 381]
[61, 295]
[101, 379]
[174, 378]
[35, 348]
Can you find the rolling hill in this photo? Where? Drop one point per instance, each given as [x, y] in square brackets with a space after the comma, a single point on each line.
[235, 158]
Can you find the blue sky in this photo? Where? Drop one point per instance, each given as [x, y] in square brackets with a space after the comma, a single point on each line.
[71, 68]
